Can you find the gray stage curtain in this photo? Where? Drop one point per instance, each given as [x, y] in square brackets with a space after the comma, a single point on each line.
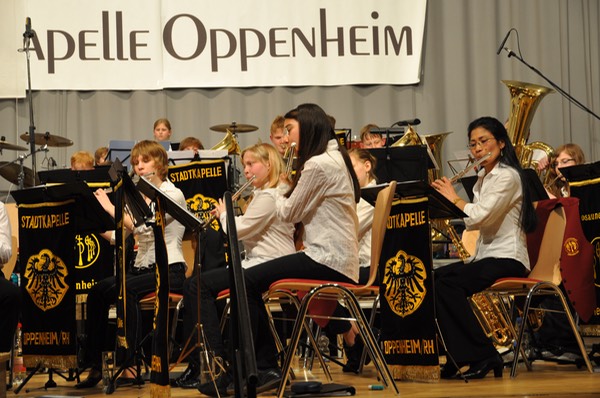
[461, 80]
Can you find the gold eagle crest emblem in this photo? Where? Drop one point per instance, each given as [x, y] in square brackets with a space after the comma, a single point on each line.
[46, 284]
[404, 281]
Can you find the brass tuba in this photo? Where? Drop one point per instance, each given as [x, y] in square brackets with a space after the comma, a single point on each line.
[524, 100]
[228, 143]
[409, 138]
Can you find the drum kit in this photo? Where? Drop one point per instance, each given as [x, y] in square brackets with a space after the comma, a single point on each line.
[15, 171]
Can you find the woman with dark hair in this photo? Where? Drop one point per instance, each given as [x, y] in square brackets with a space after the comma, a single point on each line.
[503, 212]
[323, 197]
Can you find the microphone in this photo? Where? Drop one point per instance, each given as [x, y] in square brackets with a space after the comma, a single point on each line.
[412, 122]
[28, 27]
[503, 42]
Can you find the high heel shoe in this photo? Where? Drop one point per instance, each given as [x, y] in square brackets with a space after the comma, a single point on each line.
[478, 370]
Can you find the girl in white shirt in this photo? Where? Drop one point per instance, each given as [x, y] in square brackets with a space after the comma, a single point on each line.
[323, 197]
[503, 212]
[150, 160]
[265, 236]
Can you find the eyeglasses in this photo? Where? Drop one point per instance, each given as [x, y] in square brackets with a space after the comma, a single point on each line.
[483, 142]
[562, 162]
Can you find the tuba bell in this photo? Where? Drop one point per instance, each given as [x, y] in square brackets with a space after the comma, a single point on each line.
[228, 143]
[409, 138]
[524, 100]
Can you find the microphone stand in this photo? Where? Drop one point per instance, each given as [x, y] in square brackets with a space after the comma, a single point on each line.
[27, 36]
[568, 96]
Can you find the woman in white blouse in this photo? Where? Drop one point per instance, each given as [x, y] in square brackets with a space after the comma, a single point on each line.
[503, 212]
[323, 197]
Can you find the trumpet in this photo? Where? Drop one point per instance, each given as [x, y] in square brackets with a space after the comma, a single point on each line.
[460, 174]
[234, 197]
[288, 156]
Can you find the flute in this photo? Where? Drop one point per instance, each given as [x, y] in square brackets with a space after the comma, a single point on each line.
[459, 175]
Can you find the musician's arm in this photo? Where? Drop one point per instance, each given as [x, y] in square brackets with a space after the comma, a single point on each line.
[5, 236]
[495, 199]
[107, 205]
[258, 216]
[307, 195]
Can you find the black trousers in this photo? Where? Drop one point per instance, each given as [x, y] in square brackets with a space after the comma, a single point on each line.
[10, 309]
[453, 284]
[103, 294]
[257, 279]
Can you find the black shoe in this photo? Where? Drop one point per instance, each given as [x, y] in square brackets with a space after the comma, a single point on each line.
[189, 377]
[448, 371]
[479, 370]
[268, 379]
[353, 355]
[210, 388]
[92, 380]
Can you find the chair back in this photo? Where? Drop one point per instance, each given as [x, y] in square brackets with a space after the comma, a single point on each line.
[547, 266]
[383, 205]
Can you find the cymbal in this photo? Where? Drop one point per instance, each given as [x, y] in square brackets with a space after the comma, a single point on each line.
[234, 128]
[12, 147]
[11, 173]
[48, 139]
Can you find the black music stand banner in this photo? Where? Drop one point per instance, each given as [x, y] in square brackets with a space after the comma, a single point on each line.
[408, 332]
[48, 286]
[49, 219]
[584, 182]
[94, 255]
[202, 183]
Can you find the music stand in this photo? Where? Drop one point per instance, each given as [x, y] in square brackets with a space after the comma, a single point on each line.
[406, 163]
[193, 224]
[391, 134]
[89, 216]
[581, 172]
[126, 196]
[243, 354]
[120, 149]
[98, 175]
[438, 207]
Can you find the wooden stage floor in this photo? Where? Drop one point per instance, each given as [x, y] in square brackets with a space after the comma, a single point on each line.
[547, 379]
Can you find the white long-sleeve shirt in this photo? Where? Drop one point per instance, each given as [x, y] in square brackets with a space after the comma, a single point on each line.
[495, 211]
[173, 233]
[323, 201]
[264, 235]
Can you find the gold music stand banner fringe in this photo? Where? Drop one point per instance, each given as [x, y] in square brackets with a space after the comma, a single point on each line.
[49, 328]
[408, 332]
